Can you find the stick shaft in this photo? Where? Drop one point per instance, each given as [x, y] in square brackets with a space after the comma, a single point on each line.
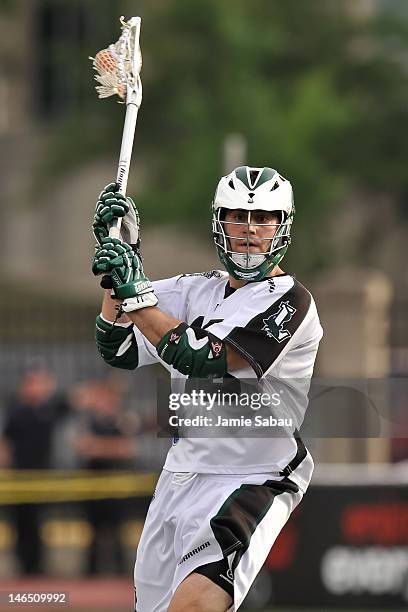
[124, 159]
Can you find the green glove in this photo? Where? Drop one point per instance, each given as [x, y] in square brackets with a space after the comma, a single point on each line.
[125, 267]
[111, 205]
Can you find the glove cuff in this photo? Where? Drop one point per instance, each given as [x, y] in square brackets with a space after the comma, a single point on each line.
[130, 290]
[140, 301]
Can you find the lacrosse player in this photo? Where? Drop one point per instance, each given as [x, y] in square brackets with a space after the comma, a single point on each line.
[220, 502]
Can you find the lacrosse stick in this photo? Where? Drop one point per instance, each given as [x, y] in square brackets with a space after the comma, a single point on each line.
[118, 73]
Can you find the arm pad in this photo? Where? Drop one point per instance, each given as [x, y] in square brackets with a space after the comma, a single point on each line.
[193, 351]
[117, 345]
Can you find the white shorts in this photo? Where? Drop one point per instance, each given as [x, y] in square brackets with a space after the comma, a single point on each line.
[197, 519]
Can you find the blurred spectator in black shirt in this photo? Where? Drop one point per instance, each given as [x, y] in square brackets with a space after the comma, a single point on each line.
[30, 421]
[31, 417]
[107, 442]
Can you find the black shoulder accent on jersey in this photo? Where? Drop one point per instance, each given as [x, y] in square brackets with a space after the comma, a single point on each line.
[198, 322]
[265, 336]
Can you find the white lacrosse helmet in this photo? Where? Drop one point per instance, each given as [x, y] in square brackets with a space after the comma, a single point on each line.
[253, 189]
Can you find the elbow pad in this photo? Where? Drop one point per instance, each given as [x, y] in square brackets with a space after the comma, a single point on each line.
[117, 345]
[193, 351]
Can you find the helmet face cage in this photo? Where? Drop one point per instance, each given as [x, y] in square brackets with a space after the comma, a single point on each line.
[244, 265]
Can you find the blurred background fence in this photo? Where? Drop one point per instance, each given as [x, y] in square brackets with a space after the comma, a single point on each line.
[319, 90]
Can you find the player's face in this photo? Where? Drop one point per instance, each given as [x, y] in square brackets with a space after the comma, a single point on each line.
[250, 230]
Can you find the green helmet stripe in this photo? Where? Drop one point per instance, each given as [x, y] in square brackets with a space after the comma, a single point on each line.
[267, 174]
[241, 173]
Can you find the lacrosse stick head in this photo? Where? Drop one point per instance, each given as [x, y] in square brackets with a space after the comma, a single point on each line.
[118, 66]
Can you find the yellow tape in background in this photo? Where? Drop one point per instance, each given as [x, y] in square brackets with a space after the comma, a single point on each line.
[51, 486]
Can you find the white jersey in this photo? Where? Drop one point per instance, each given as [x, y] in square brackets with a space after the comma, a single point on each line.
[274, 325]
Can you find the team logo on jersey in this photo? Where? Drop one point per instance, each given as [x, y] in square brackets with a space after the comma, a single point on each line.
[274, 325]
[216, 348]
[174, 338]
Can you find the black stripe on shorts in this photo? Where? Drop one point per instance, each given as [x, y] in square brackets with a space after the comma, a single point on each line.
[241, 513]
